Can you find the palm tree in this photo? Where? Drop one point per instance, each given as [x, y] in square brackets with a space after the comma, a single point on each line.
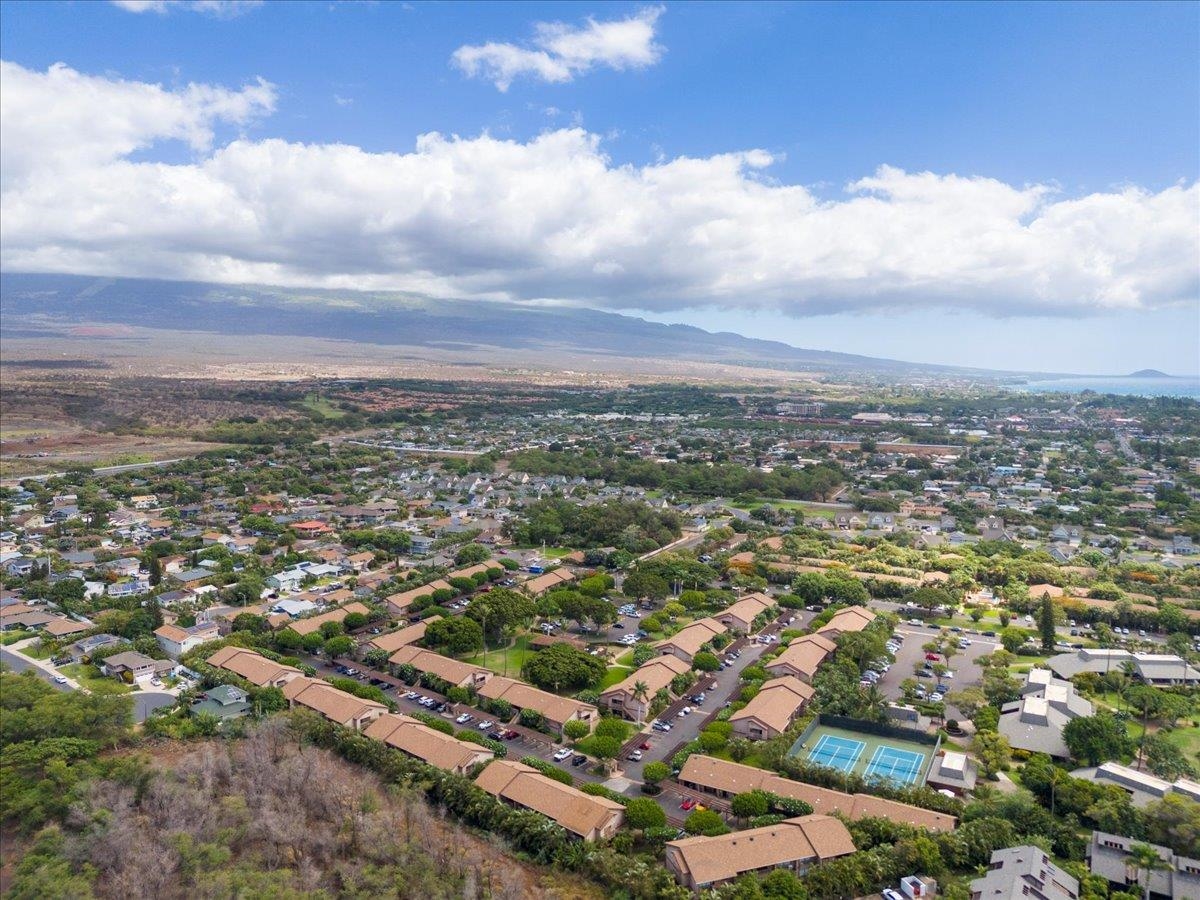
[1145, 858]
[641, 691]
[874, 704]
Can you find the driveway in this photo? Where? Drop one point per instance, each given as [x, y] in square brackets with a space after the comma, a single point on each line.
[145, 702]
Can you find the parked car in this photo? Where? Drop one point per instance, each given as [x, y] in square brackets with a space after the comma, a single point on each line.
[687, 804]
[635, 755]
[464, 718]
[932, 657]
[645, 745]
[579, 761]
[935, 697]
[60, 679]
[496, 735]
[562, 754]
[486, 724]
[686, 711]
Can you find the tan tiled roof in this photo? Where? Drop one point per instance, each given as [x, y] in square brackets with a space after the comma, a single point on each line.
[574, 810]
[748, 607]
[525, 696]
[337, 706]
[405, 599]
[172, 633]
[804, 655]
[471, 571]
[402, 638]
[735, 778]
[709, 860]
[314, 623]
[852, 618]
[443, 667]
[657, 674]
[256, 669]
[418, 739]
[694, 636]
[777, 702]
[543, 583]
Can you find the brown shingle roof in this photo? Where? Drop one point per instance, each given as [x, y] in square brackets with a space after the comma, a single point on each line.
[402, 638]
[574, 810]
[777, 702]
[314, 623]
[525, 696]
[418, 739]
[335, 705]
[710, 860]
[256, 669]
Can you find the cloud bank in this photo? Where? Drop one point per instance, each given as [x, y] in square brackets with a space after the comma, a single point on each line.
[551, 219]
[560, 52]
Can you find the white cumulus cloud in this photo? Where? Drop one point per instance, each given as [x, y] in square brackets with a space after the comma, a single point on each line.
[549, 219]
[222, 9]
[559, 52]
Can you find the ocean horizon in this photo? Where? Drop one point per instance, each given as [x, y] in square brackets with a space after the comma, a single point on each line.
[1106, 384]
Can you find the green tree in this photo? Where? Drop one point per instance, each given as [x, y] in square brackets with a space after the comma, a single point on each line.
[749, 804]
[1167, 760]
[471, 554]
[655, 772]
[1046, 623]
[561, 667]
[1174, 821]
[705, 822]
[339, 645]
[1013, 639]
[457, 635]
[993, 752]
[575, 729]
[1096, 739]
[1145, 861]
[605, 748]
[705, 661]
[642, 813]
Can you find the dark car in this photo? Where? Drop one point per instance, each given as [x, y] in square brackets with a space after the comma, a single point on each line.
[509, 734]
[924, 673]
[618, 625]
[496, 735]
[989, 634]
[579, 761]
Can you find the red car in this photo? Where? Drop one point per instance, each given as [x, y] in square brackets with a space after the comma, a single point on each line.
[687, 804]
[932, 656]
[645, 745]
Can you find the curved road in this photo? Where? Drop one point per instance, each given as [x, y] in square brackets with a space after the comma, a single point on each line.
[144, 702]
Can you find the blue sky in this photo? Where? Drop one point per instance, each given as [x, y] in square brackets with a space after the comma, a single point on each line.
[1015, 110]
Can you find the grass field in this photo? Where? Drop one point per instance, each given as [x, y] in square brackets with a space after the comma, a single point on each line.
[794, 505]
[513, 657]
[90, 678]
[557, 552]
[1187, 740]
[13, 637]
[315, 403]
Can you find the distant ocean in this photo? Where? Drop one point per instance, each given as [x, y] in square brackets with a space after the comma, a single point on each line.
[1143, 387]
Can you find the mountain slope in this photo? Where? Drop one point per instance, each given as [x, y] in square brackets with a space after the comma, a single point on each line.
[402, 320]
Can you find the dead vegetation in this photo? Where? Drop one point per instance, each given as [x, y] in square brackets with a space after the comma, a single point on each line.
[263, 817]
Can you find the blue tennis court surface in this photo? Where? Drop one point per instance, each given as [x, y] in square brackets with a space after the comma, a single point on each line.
[901, 766]
[836, 752]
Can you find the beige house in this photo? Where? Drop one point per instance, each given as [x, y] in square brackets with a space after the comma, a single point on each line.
[741, 615]
[314, 623]
[773, 709]
[852, 618]
[556, 710]
[427, 744]
[688, 641]
[542, 583]
[398, 603]
[587, 817]
[725, 779]
[802, 657]
[256, 669]
[337, 706]
[393, 641]
[448, 670]
[656, 674]
[699, 863]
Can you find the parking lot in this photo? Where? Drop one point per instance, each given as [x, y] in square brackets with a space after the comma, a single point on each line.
[964, 666]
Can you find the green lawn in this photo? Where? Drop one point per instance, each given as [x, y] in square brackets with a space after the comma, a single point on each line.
[12, 637]
[322, 406]
[796, 505]
[614, 675]
[513, 657]
[88, 677]
[1186, 739]
[752, 760]
[557, 552]
[38, 651]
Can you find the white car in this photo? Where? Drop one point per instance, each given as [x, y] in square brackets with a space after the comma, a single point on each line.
[562, 754]
[935, 697]
[60, 679]
[485, 724]
[464, 719]
[685, 711]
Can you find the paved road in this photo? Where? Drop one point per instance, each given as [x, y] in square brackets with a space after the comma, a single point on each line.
[103, 470]
[19, 663]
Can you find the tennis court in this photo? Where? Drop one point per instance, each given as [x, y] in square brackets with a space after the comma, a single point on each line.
[836, 752]
[901, 766]
[874, 757]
